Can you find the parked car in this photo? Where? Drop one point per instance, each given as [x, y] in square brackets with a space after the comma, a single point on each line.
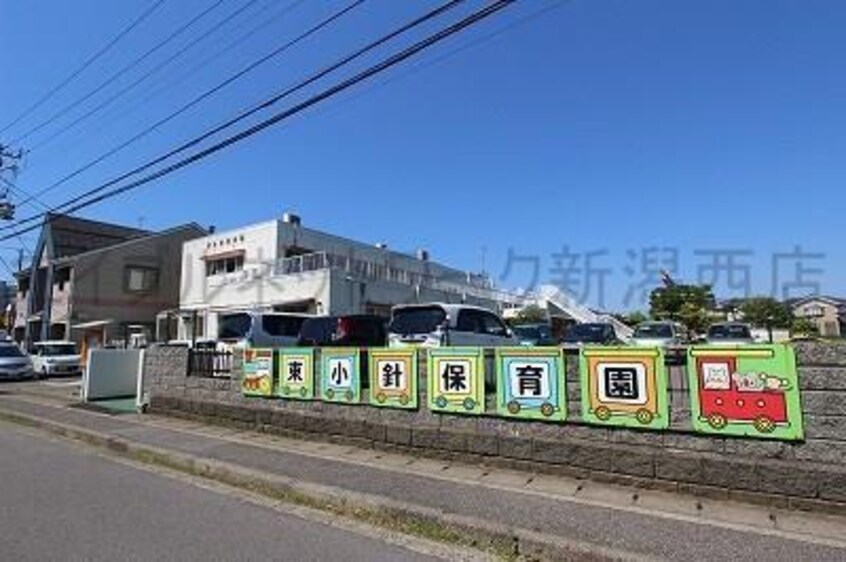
[729, 333]
[51, 358]
[660, 334]
[440, 324]
[199, 343]
[600, 333]
[534, 334]
[260, 329]
[354, 330]
[14, 363]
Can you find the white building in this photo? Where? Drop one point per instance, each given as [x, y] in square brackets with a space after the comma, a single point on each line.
[281, 265]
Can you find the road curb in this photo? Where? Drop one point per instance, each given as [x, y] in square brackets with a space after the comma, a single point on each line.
[505, 542]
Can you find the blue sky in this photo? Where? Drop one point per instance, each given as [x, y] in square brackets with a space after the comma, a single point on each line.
[601, 127]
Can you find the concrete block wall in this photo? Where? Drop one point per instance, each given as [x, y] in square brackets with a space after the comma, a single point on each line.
[809, 474]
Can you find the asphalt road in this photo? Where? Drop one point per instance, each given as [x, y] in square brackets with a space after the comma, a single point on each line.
[59, 502]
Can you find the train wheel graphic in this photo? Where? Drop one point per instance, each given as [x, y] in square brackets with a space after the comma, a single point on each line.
[644, 416]
[603, 413]
[764, 424]
[513, 407]
[717, 421]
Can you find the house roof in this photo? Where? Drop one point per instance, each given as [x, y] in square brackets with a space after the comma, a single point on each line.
[74, 235]
[835, 301]
[200, 231]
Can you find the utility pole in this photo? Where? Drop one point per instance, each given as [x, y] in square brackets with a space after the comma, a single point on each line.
[9, 162]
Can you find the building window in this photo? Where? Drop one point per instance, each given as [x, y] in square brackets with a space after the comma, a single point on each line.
[61, 277]
[814, 311]
[141, 279]
[224, 265]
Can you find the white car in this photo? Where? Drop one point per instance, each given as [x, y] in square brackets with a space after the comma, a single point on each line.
[440, 324]
[50, 358]
[14, 363]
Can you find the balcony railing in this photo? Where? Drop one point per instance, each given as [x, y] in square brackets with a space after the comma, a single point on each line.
[469, 284]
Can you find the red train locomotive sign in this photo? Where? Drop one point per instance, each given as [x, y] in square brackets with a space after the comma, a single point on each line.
[725, 394]
[748, 390]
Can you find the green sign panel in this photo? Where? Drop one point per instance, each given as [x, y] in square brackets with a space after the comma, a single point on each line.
[624, 386]
[531, 383]
[750, 390]
[393, 378]
[258, 372]
[340, 379]
[296, 373]
[456, 380]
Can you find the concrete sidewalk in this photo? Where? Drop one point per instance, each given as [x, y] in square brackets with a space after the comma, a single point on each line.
[542, 515]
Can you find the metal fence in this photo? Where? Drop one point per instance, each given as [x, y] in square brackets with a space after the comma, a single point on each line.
[209, 363]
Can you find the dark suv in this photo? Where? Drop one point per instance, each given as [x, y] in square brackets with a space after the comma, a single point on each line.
[355, 330]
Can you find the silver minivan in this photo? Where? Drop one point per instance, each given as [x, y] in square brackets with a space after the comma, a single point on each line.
[660, 334]
[442, 324]
[260, 329]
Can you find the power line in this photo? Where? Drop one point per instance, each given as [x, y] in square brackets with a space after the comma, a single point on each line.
[117, 95]
[21, 193]
[382, 66]
[226, 49]
[7, 266]
[190, 23]
[425, 64]
[322, 24]
[137, 21]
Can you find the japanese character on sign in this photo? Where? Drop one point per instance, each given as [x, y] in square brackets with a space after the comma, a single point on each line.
[621, 382]
[340, 372]
[392, 376]
[455, 377]
[529, 380]
[295, 371]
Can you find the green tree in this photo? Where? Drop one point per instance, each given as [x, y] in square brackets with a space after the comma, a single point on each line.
[531, 314]
[803, 326]
[766, 312]
[631, 318]
[688, 304]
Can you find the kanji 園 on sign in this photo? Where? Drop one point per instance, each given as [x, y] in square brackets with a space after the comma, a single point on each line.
[750, 390]
[531, 383]
[258, 372]
[624, 386]
[340, 379]
[296, 373]
[456, 380]
[393, 378]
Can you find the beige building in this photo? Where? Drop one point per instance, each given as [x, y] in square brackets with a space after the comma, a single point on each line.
[827, 313]
[97, 282]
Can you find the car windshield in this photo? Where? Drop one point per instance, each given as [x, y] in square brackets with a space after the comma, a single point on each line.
[528, 332]
[653, 331]
[57, 349]
[318, 330]
[282, 324]
[729, 332]
[234, 326]
[417, 320]
[10, 351]
[587, 332]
